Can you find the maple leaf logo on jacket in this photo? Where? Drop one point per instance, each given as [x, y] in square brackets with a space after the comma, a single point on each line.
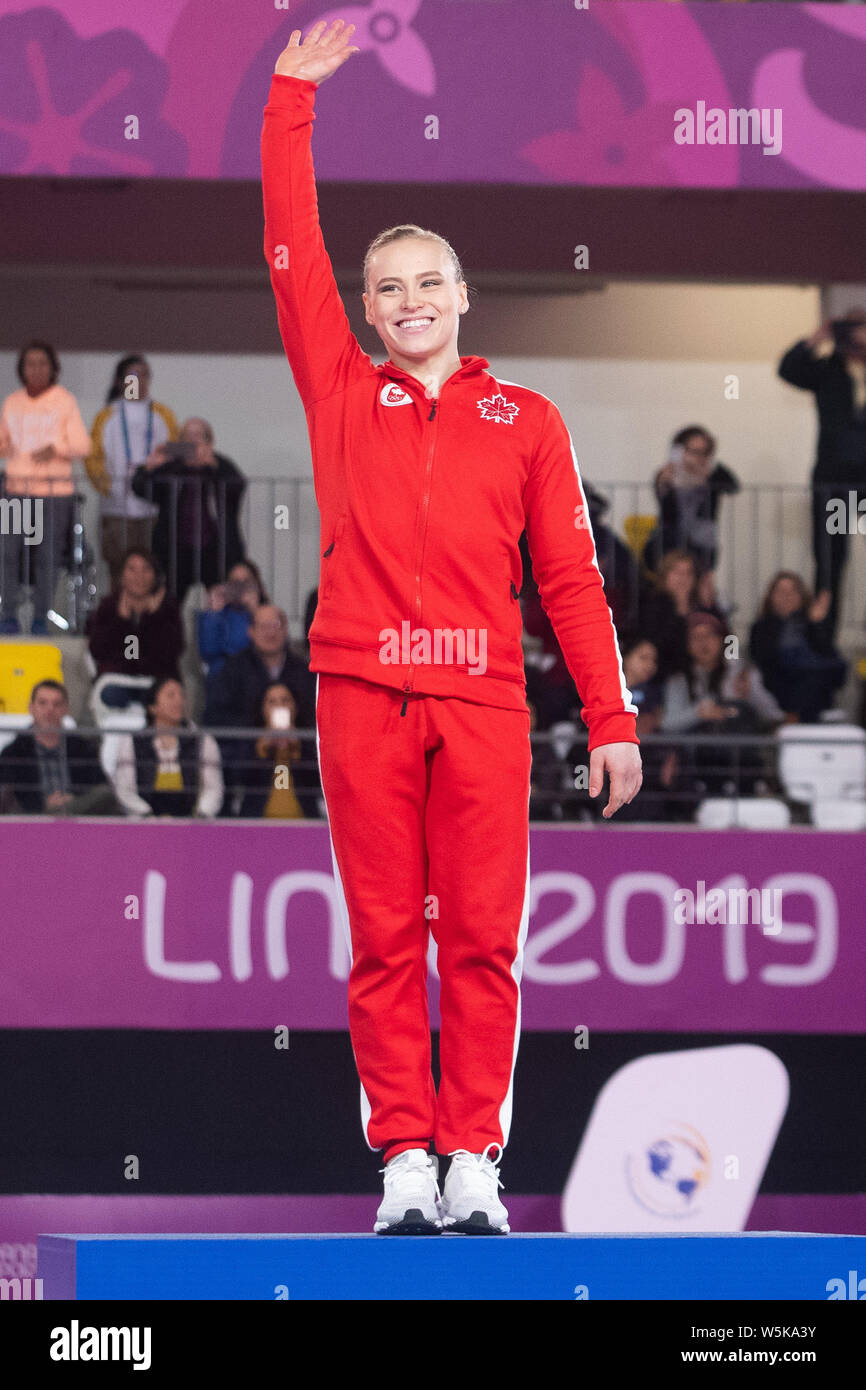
[499, 409]
[392, 394]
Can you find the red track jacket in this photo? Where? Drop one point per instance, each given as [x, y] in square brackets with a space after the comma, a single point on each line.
[422, 501]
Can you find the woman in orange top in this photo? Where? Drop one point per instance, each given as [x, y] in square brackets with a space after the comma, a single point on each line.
[41, 432]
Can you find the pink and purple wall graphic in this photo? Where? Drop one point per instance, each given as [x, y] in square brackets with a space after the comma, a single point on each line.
[622, 93]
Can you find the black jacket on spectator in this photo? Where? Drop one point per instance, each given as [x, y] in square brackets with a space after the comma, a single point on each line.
[160, 639]
[236, 693]
[234, 700]
[841, 455]
[258, 782]
[798, 663]
[167, 803]
[197, 533]
[659, 622]
[672, 532]
[19, 769]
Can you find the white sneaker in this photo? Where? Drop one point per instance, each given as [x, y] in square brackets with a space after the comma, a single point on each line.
[470, 1203]
[410, 1206]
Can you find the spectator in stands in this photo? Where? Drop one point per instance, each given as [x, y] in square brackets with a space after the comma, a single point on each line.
[309, 614]
[640, 669]
[832, 365]
[718, 695]
[223, 628]
[124, 434]
[234, 697]
[689, 488]
[172, 768]
[547, 777]
[550, 690]
[708, 599]
[48, 770]
[792, 646]
[139, 609]
[41, 432]
[623, 584]
[198, 492]
[279, 775]
[640, 665]
[676, 592]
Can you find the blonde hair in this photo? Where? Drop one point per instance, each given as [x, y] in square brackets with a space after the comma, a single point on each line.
[411, 229]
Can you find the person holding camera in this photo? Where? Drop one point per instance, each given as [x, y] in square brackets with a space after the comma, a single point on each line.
[198, 493]
[689, 487]
[125, 432]
[832, 365]
[279, 773]
[223, 628]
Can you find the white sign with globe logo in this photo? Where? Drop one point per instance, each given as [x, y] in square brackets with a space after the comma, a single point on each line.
[668, 1174]
[677, 1141]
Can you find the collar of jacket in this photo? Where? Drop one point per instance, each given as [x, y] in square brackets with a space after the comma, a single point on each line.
[469, 366]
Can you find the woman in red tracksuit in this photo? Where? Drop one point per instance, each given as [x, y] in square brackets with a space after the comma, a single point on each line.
[427, 469]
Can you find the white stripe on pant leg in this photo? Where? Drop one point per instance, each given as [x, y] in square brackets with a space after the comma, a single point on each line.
[517, 972]
[343, 914]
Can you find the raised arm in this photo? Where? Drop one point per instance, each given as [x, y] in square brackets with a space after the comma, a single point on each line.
[801, 366]
[324, 354]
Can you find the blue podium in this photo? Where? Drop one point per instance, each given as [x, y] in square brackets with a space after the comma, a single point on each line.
[751, 1265]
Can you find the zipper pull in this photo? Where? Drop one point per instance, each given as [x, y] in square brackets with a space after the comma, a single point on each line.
[405, 703]
[433, 409]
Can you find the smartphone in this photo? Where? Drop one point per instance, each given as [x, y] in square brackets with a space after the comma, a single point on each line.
[281, 717]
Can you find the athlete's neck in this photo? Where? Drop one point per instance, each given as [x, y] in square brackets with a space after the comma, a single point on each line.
[433, 373]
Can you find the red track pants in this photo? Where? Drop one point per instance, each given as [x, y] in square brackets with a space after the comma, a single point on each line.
[429, 814]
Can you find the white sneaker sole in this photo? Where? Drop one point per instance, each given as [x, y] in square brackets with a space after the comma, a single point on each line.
[413, 1223]
[478, 1224]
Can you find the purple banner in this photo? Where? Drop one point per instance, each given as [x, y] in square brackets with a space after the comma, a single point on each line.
[528, 92]
[111, 925]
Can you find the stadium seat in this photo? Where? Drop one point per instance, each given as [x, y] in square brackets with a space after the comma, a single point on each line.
[22, 665]
[562, 736]
[823, 761]
[636, 529]
[133, 716]
[831, 814]
[749, 813]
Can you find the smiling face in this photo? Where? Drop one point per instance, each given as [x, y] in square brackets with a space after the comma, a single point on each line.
[169, 707]
[413, 300]
[137, 577]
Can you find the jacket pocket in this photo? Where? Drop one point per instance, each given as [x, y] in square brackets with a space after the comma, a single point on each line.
[331, 554]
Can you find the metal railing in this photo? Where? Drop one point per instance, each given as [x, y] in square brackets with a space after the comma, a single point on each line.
[680, 772]
[760, 529]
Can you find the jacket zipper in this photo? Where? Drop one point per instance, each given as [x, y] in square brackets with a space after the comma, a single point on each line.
[425, 506]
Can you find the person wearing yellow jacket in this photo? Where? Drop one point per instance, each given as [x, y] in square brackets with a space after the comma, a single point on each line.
[125, 433]
[41, 432]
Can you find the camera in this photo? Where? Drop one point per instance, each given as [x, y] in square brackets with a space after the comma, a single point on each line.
[842, 329]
